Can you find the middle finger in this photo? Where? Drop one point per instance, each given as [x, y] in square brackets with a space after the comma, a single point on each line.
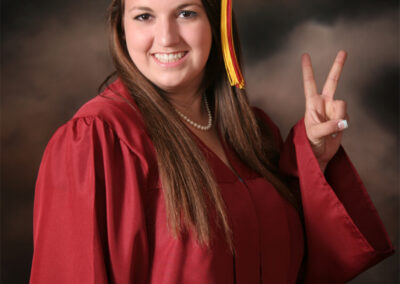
[334, 74]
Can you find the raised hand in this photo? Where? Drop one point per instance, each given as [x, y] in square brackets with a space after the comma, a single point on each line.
[325, 118]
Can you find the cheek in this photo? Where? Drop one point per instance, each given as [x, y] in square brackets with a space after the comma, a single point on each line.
[207, 42]
[138, 42]
[202, 39]
[207, 37]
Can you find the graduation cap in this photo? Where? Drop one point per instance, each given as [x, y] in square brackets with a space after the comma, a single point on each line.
[228, 49]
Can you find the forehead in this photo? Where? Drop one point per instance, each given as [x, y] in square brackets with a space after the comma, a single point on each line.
[129, 4]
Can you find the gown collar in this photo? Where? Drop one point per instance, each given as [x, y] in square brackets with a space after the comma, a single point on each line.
[222, 172]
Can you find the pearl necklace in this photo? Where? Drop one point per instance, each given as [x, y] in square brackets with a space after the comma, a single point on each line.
[196, 125]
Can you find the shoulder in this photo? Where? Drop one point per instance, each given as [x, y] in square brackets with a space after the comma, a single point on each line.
[108, 129]
[264, 118]
[112, 113]
[116, 108]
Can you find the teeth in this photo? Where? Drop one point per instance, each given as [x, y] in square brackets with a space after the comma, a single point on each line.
[166, 58]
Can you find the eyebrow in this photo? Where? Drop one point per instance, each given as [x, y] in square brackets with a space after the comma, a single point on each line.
[147, 9]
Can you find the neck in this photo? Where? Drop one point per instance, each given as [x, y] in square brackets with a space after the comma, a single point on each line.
[188, 101]
[191, 104]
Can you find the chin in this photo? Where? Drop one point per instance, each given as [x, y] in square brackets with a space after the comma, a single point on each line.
[169, 88]
[170, 85]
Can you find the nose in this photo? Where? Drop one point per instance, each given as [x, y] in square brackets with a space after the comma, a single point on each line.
[167, 32]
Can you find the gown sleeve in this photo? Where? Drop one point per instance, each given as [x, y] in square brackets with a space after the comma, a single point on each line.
[89, 223]
[344, 233]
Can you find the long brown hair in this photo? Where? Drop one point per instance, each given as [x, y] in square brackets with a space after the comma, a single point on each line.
[189, 186]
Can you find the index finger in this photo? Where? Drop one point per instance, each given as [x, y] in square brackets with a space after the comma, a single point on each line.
[334, 74]
[310, 88]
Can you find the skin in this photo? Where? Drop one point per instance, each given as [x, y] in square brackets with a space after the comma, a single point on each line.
[323, 112]
[161, 26]
[168, 28]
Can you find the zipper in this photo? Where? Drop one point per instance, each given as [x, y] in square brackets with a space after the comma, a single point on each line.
[259, 237]
[237, 175]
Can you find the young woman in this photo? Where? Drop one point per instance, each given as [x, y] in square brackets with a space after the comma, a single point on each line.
[169, 176]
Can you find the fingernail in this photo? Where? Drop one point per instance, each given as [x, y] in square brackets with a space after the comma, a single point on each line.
[334, 135]
[343, 124]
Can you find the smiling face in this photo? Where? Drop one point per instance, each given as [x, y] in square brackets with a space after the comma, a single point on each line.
[169, 41]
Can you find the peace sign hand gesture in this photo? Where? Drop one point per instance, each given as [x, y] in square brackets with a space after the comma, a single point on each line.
[325, 118]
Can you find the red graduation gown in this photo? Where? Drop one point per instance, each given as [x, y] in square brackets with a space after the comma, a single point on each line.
[99, 214]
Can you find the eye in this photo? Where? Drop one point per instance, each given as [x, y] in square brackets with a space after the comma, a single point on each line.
[143, 17]
[187, 14]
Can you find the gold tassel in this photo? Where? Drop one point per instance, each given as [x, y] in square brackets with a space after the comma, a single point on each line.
[228, 48]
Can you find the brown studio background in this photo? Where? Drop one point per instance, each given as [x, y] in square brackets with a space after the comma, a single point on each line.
[54, 54]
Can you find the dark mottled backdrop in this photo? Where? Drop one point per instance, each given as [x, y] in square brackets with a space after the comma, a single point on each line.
[54, 55]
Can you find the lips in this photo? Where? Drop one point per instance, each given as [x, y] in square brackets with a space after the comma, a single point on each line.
[169, 57]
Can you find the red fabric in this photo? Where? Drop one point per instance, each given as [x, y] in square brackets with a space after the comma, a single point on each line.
[99, 214]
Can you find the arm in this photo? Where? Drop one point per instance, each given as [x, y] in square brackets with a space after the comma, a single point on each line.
[88, 221]
[344, 233]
